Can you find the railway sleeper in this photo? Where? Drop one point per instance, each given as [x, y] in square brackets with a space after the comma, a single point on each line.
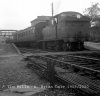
[64, 71]
[85, 71]
[67, 65]
[82, 72]
[92, 88]
[89, 73]
[40, 70]
[69, 82]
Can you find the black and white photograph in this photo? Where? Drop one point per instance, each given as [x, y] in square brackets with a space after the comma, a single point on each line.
[49, 47]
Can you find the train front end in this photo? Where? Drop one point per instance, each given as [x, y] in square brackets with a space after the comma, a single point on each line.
[73, 28]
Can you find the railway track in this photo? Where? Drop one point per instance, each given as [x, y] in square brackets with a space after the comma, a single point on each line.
[75, 71]
[80, 61]
[64, 71]
[90, 64]
[30, 50]
[47, 52]
[95, 54]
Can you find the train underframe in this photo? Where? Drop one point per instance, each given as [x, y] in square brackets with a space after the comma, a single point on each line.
[61, 45]
[57, 45]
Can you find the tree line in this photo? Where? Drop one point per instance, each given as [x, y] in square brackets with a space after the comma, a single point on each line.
[93, 12]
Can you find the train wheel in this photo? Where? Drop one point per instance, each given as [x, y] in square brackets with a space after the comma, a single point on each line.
[43, 46]
[72, 46]
[56, 47]
[69, 45]
[81, 46]
[65, 47]
[78, 46]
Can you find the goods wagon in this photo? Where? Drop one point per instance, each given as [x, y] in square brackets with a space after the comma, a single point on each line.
[67, 31]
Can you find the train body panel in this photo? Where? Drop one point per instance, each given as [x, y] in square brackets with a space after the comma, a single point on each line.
[25, 35]
[38, 30]
[49, 33]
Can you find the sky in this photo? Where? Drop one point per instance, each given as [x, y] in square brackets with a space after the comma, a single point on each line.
[17, 14]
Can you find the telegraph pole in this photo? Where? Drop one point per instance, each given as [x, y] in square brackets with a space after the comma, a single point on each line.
[54, 21]
[52, 9]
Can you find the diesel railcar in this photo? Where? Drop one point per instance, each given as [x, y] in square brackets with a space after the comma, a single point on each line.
[65, 31]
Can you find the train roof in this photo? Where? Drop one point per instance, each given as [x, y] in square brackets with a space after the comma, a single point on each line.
[70, 13]
[72, 16]
[23, 30]
[40, 19]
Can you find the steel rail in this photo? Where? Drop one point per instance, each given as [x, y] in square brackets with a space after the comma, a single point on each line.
[85, 57]
[71, 64]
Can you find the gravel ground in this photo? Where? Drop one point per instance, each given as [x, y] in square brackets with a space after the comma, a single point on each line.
[13, 72]
[7, 49]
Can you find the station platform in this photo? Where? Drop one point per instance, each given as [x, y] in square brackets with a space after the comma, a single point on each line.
[7, 49]
[14, 76]
[92, 45]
